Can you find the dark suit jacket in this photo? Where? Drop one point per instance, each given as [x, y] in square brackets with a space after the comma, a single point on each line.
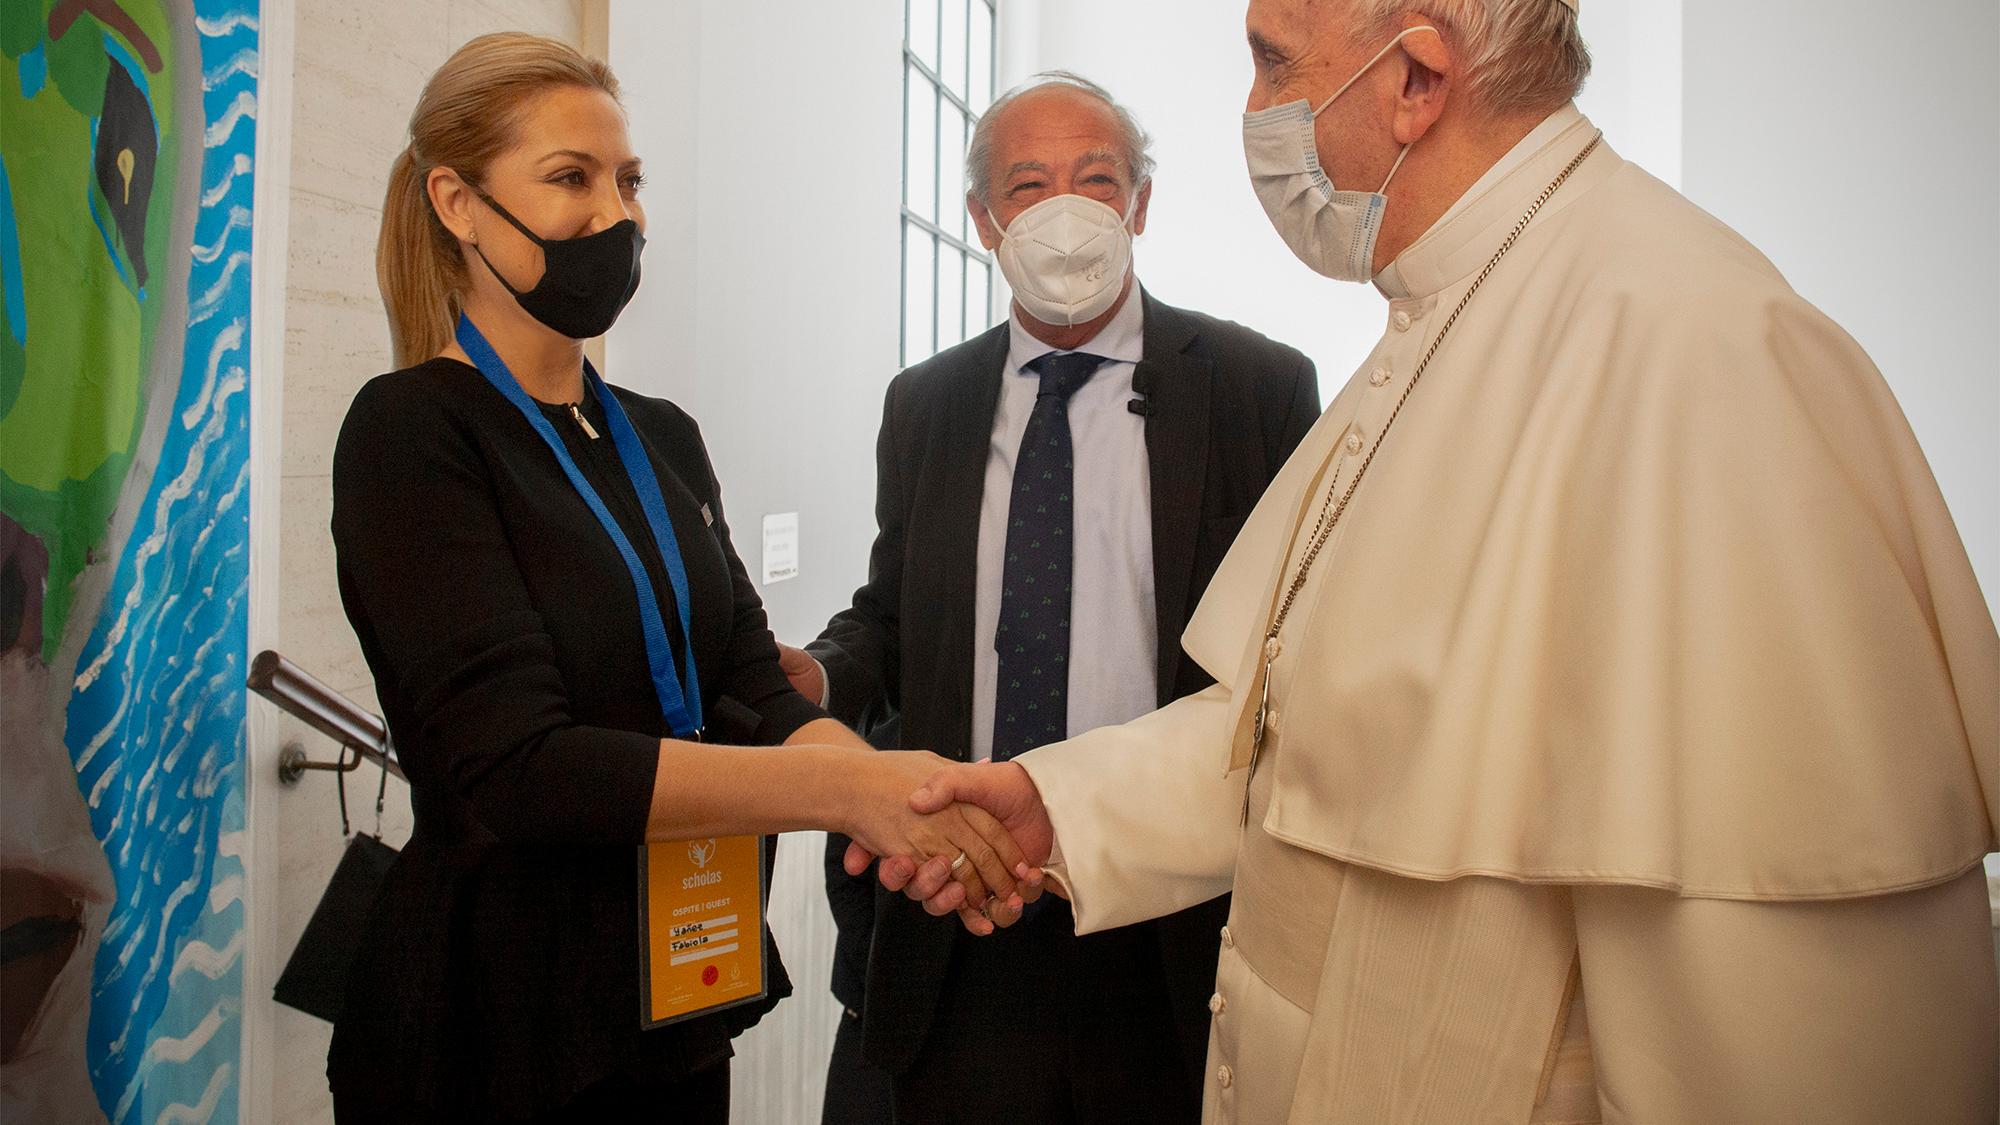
[1227, 407]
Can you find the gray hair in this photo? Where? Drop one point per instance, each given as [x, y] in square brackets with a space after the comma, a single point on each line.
[1131, 138]
[1521, 55]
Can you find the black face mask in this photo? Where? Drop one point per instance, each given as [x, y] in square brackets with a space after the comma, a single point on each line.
[586, 281]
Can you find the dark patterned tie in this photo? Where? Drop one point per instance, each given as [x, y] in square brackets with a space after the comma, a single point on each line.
[1031, 705]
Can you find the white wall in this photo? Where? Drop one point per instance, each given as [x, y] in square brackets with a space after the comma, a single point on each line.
[1858, 146]
[772, 135]
[1634, 92]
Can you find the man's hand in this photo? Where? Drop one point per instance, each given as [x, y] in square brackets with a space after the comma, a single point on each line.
[1003, 790]
[977, 858]
[804, 672]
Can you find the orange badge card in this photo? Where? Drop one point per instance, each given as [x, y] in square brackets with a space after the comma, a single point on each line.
[701, 918]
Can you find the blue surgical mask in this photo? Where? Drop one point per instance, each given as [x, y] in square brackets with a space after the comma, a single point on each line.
[1330, 230]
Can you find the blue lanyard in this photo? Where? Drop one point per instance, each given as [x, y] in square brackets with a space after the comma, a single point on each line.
[680, 698]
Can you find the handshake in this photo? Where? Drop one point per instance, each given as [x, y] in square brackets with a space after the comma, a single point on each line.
[959, 838]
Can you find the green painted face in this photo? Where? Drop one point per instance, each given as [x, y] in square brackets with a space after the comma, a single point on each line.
[88, 165]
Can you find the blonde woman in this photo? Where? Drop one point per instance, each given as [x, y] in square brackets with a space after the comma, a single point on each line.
[570, 655]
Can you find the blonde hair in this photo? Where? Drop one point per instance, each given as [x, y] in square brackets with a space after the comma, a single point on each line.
[1522, 55]
[466, 117]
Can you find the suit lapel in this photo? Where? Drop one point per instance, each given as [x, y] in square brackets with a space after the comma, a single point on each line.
[1176, 384]
[966, 439]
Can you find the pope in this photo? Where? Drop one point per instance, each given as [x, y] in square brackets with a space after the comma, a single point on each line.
[1606, 716]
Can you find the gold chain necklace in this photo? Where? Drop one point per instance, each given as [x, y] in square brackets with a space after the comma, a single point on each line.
[1331, 510]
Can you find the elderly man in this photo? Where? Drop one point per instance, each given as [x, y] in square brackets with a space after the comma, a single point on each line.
[1606, 713]
[1054, 496]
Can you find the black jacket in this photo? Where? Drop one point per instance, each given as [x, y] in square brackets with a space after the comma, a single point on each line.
[502, 628]
[1226, 408]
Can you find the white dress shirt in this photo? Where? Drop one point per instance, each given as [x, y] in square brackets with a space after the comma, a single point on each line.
[1113, 643]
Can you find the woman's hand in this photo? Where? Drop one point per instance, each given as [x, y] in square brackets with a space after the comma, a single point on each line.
[882, 822]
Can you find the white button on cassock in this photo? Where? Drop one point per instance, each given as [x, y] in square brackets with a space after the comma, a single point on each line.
[1224, 1077]
[1353, 444]
[1401, 320]
[1216, 1004]
[1227, 941]
[1378, 376]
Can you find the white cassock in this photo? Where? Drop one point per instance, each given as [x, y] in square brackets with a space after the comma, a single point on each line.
[1634, 746]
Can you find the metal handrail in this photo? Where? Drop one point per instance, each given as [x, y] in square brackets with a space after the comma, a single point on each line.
[299, 694]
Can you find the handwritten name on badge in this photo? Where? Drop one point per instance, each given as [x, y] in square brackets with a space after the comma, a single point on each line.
[703, 950]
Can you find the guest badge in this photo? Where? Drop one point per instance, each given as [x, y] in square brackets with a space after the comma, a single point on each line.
[701, 917]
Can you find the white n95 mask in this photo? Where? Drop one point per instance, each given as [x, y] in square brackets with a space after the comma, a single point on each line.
[1330, 230]
[1066, 258]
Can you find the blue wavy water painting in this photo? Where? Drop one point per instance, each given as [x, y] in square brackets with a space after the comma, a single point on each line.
[156, 721]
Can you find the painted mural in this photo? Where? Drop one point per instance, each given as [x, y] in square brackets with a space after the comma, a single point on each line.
[127, 134]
